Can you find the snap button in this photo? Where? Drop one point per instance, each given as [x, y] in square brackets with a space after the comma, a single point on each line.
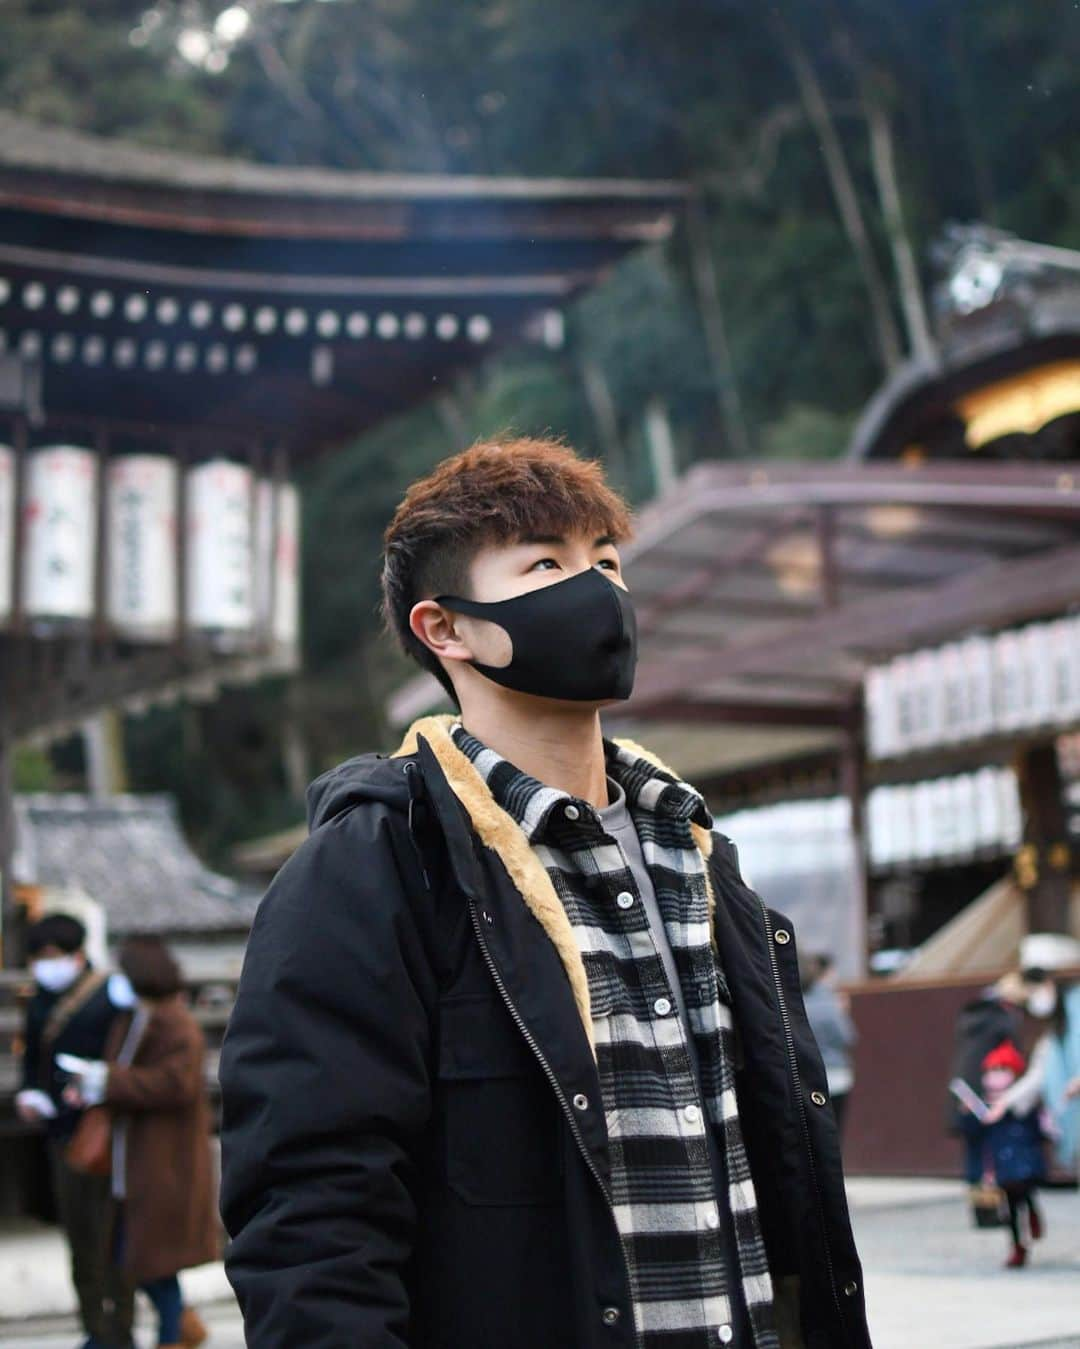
[610, 1316]
[662, 1006]
[819, 1098]
[572, 813]
[691, 1114]
[581, 1102]
[851, 1288]
[725, 1334]
[625, 900]
[783, 936]
[712, 1220]
[487, 917]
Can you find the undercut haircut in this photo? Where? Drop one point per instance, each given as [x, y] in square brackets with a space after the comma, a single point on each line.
[496, 492]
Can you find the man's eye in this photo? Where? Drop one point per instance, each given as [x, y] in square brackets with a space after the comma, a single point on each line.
[609, 563]
[545, 562]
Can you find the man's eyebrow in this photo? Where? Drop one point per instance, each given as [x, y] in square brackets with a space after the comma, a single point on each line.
[604, 540]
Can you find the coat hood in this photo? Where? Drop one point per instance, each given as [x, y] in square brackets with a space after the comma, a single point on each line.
[367, 778]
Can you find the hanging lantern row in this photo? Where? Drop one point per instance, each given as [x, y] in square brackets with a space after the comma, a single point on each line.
[1020, 679]
[945, 820]
[241, 537]
[293, 320]
[793, 838]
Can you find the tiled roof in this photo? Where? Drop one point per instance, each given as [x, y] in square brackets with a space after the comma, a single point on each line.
[130, 854]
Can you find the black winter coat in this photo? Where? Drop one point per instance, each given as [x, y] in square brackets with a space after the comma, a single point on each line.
[402, 1162]
[85, 1034]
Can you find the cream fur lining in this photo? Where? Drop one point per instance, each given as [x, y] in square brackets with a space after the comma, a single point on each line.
[500, 832]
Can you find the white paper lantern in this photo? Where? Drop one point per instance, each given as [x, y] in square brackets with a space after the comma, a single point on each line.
[286, 618]
[1012, 817]
[1060, 675]
[954, 699]
[220, 551]
[7, 532]
[880, 699]
[142, 594]
[929, 698]
[924, 831]
[277, 567]
[1035, 676]
[965, 811]
[61, 533]
[1008, 682]
[978, 656]
[989, 828]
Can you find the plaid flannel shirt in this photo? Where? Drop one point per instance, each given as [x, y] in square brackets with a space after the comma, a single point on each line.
[663, 1186]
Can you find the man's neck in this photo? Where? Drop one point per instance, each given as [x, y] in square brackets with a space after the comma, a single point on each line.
[561, 749]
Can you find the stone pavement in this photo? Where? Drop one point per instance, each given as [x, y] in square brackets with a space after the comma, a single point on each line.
[933, 1282]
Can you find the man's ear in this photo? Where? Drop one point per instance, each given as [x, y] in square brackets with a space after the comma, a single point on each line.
[433, 625]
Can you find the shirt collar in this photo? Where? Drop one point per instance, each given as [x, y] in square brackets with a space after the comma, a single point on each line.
[532, 805]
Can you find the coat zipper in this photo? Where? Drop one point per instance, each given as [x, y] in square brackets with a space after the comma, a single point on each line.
[538, 1053]
[794, 1065]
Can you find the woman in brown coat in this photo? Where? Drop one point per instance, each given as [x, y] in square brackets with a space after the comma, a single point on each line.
[162, 1175]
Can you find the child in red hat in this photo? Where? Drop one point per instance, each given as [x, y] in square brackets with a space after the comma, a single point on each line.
[1014, 1145]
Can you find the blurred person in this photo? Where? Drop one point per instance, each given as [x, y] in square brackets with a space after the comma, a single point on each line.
[1052, 1075]
[829, 1013]
[1012, 1145]
[995, 1016]
[74, 1010]
[517, 1058]
[153, 1083]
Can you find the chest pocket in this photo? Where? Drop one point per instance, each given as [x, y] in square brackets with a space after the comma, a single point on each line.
[499, 1115]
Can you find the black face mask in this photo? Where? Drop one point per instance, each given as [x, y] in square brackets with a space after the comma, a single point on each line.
[576, 639]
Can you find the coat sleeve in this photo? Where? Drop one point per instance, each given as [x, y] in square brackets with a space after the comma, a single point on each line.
[326, 1095]
[31, 1058]
[174, 1079]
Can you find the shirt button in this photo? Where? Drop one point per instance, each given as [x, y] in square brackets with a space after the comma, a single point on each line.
[662, 1006]
[782, 935]
[712, 1220]
[625, 900]
[581, 1102]
[610, 1316]
[572, 813]
[818, 1097]
[691, 1114]
[725, 1334]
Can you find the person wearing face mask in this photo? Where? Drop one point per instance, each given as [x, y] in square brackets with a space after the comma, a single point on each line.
[517, 1058]
[73, 1011]
[1053, 1071]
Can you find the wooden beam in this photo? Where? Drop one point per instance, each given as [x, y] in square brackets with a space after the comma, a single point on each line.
[711, 712]
[989, 597]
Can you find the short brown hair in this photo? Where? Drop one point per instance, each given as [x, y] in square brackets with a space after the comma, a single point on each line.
[150, 966]
[496, 492]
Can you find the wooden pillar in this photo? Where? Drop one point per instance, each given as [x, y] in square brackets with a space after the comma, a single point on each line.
[1042, 864]
[10, 943]
[853, 786]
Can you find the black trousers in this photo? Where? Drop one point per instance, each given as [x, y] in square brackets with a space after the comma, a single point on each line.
[85, 1207]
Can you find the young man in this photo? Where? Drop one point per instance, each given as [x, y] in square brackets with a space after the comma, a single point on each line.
[73, 1011]
[517, 1061]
